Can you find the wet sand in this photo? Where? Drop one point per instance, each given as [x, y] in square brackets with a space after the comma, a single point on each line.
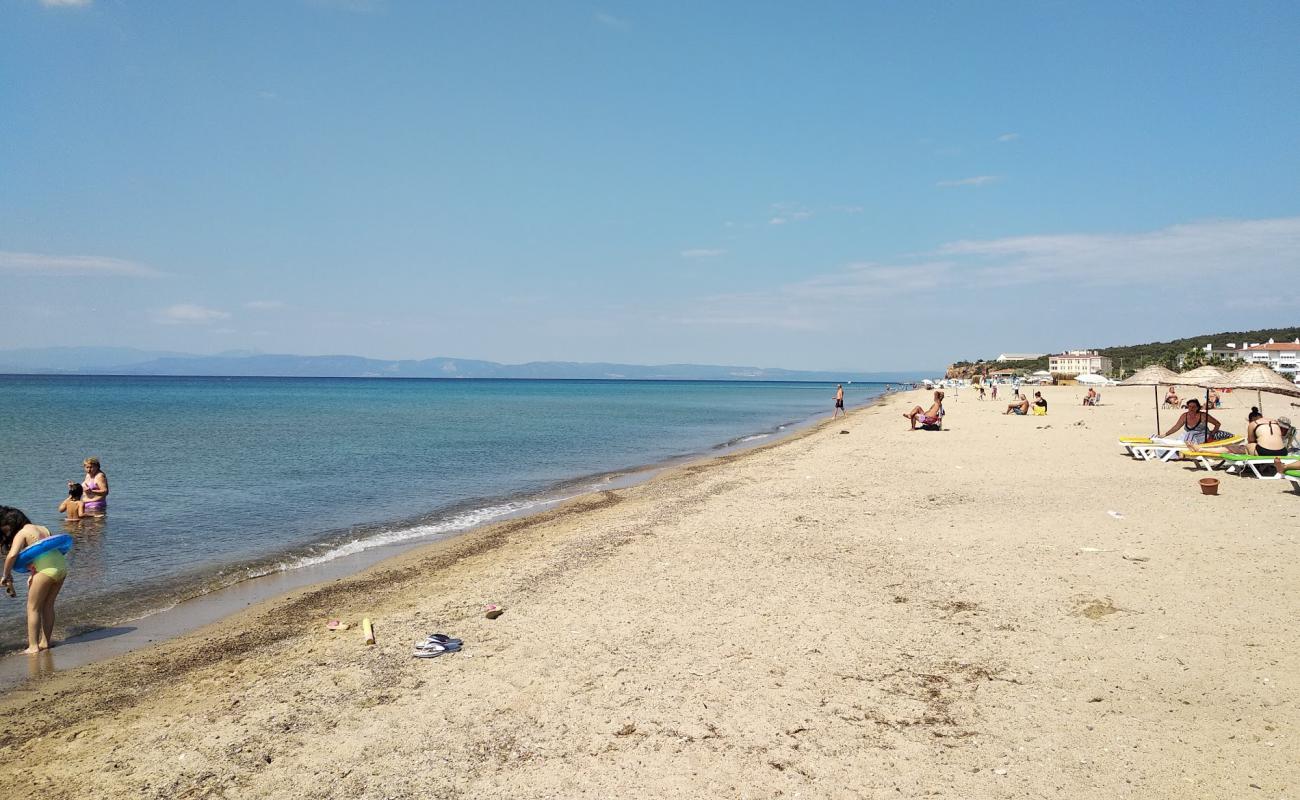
[874, 614]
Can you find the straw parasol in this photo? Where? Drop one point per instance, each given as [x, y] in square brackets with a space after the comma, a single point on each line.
[1261, 379]
[1152, 376]
[1206, 377]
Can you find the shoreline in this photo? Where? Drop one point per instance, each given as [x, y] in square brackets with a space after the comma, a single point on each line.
[885, 613]
[298, 572]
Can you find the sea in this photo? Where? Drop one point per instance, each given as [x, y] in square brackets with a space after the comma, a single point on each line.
[217, 481]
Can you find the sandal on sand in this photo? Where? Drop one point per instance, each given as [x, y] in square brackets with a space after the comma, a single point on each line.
[441, 638]
[431, 647]
[427, 653]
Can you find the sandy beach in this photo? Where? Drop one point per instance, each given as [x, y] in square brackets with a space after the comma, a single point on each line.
[856, 611]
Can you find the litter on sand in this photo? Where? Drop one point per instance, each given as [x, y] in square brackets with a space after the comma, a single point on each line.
[492, 611]
[1115, 514]
[368, 630]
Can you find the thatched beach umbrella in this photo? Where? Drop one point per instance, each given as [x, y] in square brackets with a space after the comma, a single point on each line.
[1152, 376]
[1261, 379]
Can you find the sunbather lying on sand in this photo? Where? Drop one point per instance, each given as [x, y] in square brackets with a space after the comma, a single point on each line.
[919, 416]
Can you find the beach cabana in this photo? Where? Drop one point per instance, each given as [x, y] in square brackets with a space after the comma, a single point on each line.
[1261, 379]
[1152, 376]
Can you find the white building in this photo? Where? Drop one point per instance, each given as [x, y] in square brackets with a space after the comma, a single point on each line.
[1020, 356]
[1280, 356]
[1230, 351]
[1078, 362]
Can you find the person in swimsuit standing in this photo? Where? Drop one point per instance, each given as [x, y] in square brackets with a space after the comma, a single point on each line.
[95, 488]
[72, 505]
[49, 570]
[839, 402]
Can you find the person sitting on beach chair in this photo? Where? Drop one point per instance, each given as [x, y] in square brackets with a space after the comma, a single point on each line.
[1268, 437]
[930, 418]
[1020, 407]
[1171, 399]
[1092, 397]
[1197, 425]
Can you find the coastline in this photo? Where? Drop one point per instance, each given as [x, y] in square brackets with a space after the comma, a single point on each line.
[880, 613]
[296, 571]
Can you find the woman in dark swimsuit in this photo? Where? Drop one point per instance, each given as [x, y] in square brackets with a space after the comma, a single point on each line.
[1194, 421]
[1266, 437]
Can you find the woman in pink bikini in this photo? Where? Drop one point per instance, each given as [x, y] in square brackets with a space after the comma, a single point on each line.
[94, 489]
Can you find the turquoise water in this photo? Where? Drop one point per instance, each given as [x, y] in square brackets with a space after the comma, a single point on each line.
[216, 480]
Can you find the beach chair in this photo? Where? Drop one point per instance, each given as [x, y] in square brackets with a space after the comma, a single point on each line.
[1162, 451]
[1238, 464]
[1293, 475]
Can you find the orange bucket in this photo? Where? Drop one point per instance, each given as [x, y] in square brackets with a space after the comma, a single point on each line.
[1209, 485]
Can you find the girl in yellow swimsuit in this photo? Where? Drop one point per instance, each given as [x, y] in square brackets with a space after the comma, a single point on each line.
[48, 573]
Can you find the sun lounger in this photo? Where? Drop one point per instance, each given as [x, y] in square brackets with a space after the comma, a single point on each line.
[1163, 451]
[1236, 463]
[1293, 476]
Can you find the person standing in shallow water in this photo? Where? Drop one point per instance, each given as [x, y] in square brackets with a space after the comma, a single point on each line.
[94, 488]
[48, 571]
[839, 402]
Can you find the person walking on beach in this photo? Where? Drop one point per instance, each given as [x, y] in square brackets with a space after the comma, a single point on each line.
[839, 402]
[49, 570]
[95, 488]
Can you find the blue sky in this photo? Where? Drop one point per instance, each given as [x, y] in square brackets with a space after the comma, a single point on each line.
[855, 185]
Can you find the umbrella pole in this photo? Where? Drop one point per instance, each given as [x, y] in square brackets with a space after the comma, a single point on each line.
[1156, 389]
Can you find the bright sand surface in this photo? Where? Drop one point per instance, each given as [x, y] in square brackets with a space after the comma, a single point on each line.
[878, 614]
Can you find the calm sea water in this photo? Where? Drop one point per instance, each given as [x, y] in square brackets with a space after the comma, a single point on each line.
[216, 480]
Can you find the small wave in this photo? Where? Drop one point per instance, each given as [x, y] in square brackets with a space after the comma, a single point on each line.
[753, 438]
[453, 524]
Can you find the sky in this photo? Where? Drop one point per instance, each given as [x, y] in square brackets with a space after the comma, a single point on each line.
[858, 185]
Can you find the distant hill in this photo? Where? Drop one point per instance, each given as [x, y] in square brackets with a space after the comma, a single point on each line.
[124, 361]
[1135, 356]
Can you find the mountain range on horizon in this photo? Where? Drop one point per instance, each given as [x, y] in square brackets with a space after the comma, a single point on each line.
[131, 361]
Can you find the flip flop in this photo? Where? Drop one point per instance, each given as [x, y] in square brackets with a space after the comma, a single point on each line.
[441, 638]
[449, 647]
[426, 653]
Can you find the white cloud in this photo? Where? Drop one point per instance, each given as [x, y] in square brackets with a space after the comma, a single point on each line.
[777, 221]
[1189, 255]
[1196, 250]
[42, 264]
[1008, 137]
[65, 3]
[189, 314]
[264, 305]
[703, 252]
[978, 180]
[611, 21]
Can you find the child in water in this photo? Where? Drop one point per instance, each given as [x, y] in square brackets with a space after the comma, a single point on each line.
[72, 505]
[49, 570]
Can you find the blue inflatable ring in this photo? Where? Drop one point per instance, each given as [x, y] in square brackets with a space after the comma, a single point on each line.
[62, 543]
